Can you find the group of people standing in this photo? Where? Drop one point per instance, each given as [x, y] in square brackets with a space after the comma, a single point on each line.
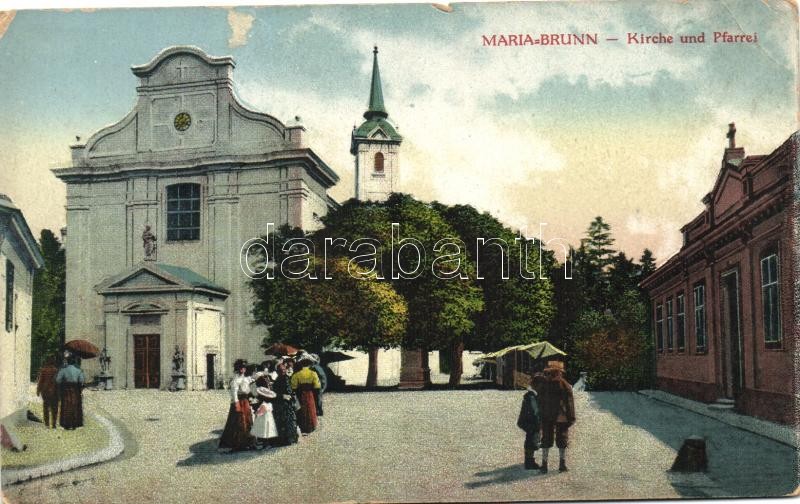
[61, 390]
[272, 404]
[547, 413]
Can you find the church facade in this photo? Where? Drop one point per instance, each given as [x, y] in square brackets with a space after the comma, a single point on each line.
[158, 207]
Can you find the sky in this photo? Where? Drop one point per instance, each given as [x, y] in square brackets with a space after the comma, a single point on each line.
[535, 134]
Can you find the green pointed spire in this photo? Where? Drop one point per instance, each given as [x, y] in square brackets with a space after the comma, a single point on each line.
[375, 108]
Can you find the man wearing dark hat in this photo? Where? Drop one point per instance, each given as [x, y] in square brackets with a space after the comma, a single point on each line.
[558, 413]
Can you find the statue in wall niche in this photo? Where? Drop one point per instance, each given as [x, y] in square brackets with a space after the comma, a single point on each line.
[149, 244]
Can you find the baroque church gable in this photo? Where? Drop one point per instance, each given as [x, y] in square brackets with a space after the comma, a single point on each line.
[186, 108]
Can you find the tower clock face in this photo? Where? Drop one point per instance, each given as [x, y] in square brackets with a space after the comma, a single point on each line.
[182, 121]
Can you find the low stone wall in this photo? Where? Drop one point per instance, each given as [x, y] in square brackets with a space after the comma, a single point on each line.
[767, 405]
[697, 391]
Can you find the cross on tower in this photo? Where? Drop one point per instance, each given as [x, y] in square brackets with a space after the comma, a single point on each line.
[731, 136]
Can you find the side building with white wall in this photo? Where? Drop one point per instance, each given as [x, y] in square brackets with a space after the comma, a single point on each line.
[19, 259]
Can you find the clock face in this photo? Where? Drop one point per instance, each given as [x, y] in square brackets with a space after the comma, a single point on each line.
[182, 121]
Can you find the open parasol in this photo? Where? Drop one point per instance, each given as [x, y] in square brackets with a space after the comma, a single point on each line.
[82, 348]
[332, 356]
[281, 349]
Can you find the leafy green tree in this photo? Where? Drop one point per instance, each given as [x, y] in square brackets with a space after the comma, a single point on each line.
[614, 346]
[601, 313]
[367, 313]
[570, 300]
[515, 310]
[441, 312]
[337, 304]
[49, 291]
[286, 305]
[623, 275]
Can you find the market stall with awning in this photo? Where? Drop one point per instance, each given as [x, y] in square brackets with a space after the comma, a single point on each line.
[515, 363]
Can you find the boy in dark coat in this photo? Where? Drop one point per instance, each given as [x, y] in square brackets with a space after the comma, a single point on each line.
[530, 420]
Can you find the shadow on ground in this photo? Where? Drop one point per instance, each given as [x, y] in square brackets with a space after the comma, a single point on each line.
[207, 453]
[502, 476]
[743, 464]
[474, 385]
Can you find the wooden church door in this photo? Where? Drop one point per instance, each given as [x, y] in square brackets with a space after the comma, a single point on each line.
[147, 360]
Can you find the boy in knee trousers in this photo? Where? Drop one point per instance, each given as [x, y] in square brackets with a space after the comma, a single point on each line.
[558, 414]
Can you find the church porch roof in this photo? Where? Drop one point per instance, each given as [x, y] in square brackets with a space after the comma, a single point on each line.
[148, 277]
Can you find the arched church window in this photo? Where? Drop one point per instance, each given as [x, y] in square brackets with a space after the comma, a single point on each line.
[183, 212]
[379, 162]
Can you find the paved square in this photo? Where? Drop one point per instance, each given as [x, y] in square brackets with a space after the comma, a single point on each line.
[413, 446]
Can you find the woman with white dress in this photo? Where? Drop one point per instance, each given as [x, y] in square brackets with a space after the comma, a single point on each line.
[264, 428]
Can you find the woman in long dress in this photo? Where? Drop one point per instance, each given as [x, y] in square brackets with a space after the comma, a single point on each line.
[70, 380]
[236, 434]
[305, 383]
[283, 408]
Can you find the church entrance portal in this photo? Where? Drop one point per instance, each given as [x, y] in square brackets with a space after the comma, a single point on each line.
[147, 360]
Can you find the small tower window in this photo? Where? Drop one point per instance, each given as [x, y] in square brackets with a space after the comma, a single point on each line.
[379, 162]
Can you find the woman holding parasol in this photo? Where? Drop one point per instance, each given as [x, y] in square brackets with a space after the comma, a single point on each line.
[70, 380]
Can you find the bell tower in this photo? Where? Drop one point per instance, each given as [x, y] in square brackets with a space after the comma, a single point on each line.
[376, 145]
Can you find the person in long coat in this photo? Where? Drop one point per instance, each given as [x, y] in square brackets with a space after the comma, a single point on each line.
[530, 420]
[283, 407]
[47, 387]
[305, 383]
[558, 414]
[70, 380]
[236, 434]
[323, 381]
